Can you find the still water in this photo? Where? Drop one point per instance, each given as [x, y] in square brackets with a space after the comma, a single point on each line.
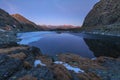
[85, 45]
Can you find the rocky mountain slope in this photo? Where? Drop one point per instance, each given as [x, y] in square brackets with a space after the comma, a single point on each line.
[7, 22]
[27, 24]
[104, 12]
[16, 22]
[104, 17]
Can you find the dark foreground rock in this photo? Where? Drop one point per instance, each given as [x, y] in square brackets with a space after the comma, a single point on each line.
[42, 73]
[8, 66]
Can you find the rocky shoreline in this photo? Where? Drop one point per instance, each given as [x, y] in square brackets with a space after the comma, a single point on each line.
[21, 62]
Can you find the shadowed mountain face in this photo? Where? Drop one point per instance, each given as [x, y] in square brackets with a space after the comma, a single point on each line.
[27, 24]
[104, 47]
[7, 22]
[105, 12]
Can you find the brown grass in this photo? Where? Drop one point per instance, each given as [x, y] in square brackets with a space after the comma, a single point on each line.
[20, 55]
[7, 50]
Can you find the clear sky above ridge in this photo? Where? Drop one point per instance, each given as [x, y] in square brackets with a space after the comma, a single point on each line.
[50, 12]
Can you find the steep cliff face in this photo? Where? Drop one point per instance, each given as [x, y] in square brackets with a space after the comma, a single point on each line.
[26, 24]
[7, 22]
[105, 12]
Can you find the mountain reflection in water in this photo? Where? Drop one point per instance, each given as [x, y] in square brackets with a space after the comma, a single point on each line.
[104, 47]
[85, 45]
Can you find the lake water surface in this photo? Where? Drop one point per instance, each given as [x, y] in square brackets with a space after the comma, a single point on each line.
[85, 45]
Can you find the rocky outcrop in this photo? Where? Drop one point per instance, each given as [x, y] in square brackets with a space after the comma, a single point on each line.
[26, 24]
[105, 12]
[8, 23]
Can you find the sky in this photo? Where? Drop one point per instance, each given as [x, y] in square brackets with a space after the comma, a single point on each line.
[50, 12]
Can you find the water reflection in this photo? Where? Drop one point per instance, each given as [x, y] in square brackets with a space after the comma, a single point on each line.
[63, 43]
[85, 45]
[104, 47]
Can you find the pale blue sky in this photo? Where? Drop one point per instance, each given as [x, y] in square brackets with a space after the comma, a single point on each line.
[53, 12]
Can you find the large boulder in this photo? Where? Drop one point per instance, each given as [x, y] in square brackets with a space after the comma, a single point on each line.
[105, 12]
